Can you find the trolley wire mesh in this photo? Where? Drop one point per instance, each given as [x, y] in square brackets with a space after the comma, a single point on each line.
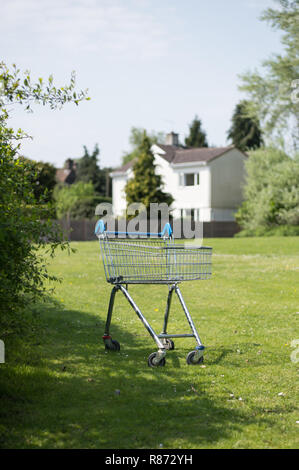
[153, 261]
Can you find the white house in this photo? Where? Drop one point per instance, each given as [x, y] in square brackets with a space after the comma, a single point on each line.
[206, 183]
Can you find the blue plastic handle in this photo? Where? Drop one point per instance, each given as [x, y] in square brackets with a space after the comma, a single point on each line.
[101, 228]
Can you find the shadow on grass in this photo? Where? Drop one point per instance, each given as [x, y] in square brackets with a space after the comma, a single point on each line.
[77, 395]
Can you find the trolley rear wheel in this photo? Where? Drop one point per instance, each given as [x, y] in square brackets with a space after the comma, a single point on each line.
[112, 345]
[151, 362]
[191, 360]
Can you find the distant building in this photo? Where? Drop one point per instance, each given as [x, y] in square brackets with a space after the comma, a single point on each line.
[67, 175]
[206, 183]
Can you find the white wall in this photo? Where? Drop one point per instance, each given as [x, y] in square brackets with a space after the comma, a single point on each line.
[186, 197]
[118, 194]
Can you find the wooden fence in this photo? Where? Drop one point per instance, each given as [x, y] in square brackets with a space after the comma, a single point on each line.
[83, 230]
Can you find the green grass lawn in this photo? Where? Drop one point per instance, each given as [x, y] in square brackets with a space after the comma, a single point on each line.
[63, 390]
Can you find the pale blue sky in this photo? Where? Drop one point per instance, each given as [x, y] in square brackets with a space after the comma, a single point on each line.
[147, 63]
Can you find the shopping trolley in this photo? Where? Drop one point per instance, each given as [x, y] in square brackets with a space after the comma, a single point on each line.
[152, 258]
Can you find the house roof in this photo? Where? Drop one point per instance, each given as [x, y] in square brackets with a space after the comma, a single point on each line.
[64, 175]
[124, 168]
[68, 173]
[204, 154]
[169, 150]
[179, 155]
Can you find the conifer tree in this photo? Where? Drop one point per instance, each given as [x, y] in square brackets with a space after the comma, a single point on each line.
[197, 136]
[146, 186]
[245, 131]
[88, 170]
[135, 140]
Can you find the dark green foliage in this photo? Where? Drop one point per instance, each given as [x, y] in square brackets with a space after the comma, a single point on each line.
[43, 178]
[146, 185]
[67, 197]
[77, 201]
[85, 209]
[89, 171]
[271, 192]
[245, 131]
[25, 227]
[25, 216]
[197, 136]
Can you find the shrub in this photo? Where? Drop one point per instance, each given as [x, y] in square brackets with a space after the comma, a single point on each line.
[85, 208]
[27, 233]
[271, 192]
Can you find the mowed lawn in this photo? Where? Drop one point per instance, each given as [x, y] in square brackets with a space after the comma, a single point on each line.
[62, 390]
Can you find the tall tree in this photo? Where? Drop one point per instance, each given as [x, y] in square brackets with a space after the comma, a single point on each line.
[146, 186]
[197, 136]
[135, 140]
[43, 178]
[245, 131]
[68, 196]
[25, 225]
[271, 191]
[271, 91]
[88, 170]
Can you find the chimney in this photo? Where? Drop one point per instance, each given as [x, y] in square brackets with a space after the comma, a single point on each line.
[68, 164]
[172, 139]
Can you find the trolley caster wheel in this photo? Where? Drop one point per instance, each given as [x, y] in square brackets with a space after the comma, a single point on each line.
[190, 358]
[151, 359]
[168, 344]
[111, 344]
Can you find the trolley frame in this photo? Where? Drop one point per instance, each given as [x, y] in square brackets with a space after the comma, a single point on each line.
[120, 283]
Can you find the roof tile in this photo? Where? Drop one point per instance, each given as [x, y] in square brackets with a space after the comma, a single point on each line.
[177, 155]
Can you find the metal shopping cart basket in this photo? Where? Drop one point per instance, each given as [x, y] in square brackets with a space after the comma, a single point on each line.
[152, 258]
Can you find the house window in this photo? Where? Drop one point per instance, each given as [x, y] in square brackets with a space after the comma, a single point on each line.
[193, 214]
[189, 179]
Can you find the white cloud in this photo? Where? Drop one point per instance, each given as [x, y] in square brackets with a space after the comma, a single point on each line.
[113, 27]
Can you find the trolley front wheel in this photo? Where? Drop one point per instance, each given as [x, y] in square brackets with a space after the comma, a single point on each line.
[192, 358]
[168, 343]
[111, 344]
[152, 362]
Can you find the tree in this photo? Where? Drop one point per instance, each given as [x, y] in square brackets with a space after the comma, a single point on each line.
[271, 191]
[245, 131]
[146, 185]
[136, 138]
[43, 178]
[197, 136]
[271, 92]
[25, 224]
[88, 170]
[85, 208]
[67, 197]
